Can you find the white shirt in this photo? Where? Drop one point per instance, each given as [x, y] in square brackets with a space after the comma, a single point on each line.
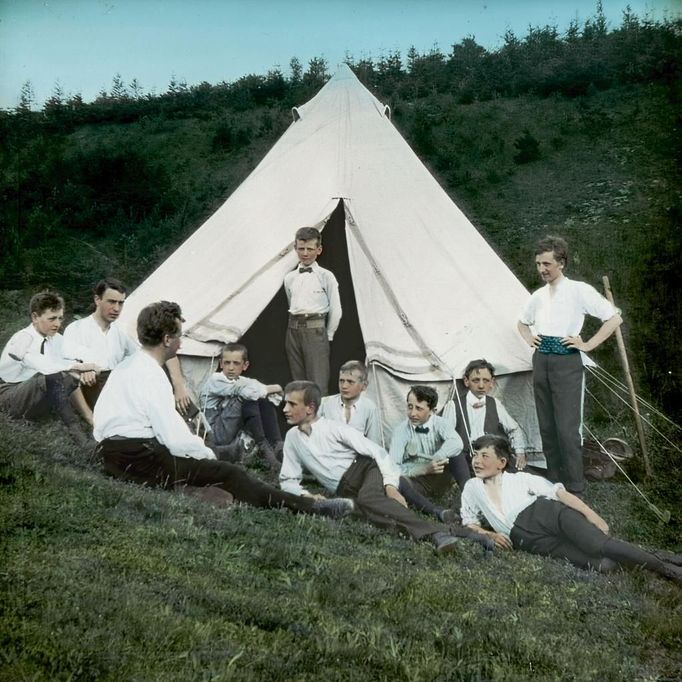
[563, 313]
[411, 450]
[21, 357]
[517, 491]
[315, 292]
[137, 402]
[364, 415]
[86, 340]
[327, 453]
[218, 386]
[476, 417]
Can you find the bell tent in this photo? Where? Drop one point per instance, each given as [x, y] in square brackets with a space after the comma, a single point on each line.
[422, 292]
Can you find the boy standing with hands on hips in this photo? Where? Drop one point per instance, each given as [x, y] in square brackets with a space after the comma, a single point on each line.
[556, 313]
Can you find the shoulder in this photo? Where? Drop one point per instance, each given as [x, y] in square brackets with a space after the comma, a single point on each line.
[366, 402]
[326, 274]
[401, 428]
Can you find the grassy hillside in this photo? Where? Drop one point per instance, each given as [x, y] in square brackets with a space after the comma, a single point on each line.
[109, 581]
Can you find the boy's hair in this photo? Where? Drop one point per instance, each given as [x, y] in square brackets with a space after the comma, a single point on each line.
[498, 443]
[557, 245]
[424, 394]
[305, 233]
[156, 320]
[355, 366]
[233, 347]
[109, 283]
[45, 300]
[481, 363]
[311, 392]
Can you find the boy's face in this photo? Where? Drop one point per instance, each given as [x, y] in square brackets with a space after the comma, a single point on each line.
[308, 250]
[234, 364]
[486, 463]
[296, 412]
[351, 384]
[48, 322]
[480, 382]
[418, 411]
[548, 267]
[110, 305]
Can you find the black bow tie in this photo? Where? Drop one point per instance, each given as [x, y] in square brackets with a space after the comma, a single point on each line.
[302, 270]
[421, 429]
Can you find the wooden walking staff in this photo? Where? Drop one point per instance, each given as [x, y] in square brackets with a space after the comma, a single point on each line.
[630, 383]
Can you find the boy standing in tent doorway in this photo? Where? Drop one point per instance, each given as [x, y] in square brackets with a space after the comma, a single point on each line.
[556, 313]
[314, 311]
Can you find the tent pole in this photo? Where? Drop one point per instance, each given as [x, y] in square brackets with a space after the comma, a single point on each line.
[630, 384]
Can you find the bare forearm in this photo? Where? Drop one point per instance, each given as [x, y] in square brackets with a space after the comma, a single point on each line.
[604, 332]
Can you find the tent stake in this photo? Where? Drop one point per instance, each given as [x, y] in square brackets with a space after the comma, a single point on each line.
[630, 383]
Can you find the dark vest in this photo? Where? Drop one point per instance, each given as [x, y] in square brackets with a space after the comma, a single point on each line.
[491, 423]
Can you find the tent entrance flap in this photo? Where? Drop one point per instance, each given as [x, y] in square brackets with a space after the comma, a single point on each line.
[265, 337]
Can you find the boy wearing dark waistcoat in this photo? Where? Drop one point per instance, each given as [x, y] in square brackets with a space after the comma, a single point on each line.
[478, 413]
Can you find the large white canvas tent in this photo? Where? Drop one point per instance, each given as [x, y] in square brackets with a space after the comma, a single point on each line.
[422, 292]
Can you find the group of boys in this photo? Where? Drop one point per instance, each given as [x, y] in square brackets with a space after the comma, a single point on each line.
[123, 390]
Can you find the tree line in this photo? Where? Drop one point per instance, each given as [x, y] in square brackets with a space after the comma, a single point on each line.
[113, 186]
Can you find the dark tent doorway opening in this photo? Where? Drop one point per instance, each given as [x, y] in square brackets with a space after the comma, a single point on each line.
[265, 338]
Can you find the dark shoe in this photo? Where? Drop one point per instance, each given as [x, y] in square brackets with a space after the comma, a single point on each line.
[485, 541]
[278, 447]
[268, 456]
[209, 493]
[450, 517]
[672, 572]
[334, 508]
[234, 452]
[444, 543]
[668, 557]
[78, 436]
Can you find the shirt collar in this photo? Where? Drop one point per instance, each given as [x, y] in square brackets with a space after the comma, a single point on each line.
[425, 425]
[314, 265]
[471, 398]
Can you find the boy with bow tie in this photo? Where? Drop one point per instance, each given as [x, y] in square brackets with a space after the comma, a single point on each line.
[314, 312]
[478, 413]
[428, 451]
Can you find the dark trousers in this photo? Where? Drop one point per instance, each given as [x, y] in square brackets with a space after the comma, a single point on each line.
[260, 420]
[91, 393]
[416, 500]
[256, 417]
[364, 483]
[558, 387]
[307, 349]
[550, 528]
[36, 397]
[147, 461]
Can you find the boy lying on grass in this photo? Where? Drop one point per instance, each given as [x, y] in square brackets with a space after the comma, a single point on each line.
[528, 512]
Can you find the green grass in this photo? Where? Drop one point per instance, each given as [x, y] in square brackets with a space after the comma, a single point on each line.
[111, 581]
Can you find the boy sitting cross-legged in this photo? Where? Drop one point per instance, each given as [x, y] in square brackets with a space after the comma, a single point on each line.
[233, 402]
[528, 512]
